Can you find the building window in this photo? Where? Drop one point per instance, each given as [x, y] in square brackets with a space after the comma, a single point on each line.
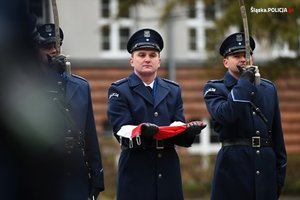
[207, 142]
[124, 35]
[210, 9]
[105, 37]
[192, 39]
[105, 12]
[192, 10]
[115, 29]
[199, 27]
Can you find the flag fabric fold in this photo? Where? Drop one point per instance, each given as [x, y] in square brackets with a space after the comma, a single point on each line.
[132, 131]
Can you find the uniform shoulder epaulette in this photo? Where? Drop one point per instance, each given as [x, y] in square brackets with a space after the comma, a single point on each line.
[266, 80]
[216, 81]
[118, 82]
[79, 77]
[170, 81]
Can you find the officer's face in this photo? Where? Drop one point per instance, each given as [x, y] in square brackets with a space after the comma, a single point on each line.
[49, 49]
[231, 62]
[145, 62]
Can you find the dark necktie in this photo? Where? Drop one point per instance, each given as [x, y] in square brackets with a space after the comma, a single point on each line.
[150, 90]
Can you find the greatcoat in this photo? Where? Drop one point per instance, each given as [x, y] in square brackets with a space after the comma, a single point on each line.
[147, 173]
[242, 171]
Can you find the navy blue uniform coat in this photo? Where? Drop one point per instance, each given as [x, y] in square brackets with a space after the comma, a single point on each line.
[43, 168]
[75, 96]
[79, 103]
[244, 172]
[147, 174]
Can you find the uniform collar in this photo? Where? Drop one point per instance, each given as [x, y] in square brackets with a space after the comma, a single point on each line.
[151, 84]
[134, 80]
[162, 89]
[229, 80]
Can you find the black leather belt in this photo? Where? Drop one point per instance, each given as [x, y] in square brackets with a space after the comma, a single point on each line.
[255, 142]
[153, 144]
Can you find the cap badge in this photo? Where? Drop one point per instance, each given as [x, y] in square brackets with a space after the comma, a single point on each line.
[239, 38]
[48, 28]
[147, 33]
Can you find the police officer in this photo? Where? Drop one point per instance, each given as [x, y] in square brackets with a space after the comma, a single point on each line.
[82, 169]
[251, 164]
[150, 170]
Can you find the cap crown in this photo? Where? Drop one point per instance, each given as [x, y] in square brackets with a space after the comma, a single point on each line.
[47, 34]
[145, 38]
[235, 43]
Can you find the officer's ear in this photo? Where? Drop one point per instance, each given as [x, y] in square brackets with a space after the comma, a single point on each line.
[131, 60]
[225, 61]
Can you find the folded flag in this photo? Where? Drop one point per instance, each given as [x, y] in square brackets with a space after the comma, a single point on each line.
[131, 131]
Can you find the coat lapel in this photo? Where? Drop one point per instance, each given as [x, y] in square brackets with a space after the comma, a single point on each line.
[229, 81]
[162, 90]
[136, 83]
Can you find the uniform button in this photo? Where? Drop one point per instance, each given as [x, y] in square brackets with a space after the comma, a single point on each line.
[159, 175]
[257, 132]
[155, 114]
[257, 152]
[253, 113]
[252, 93]
[69, 131]
[59, 82]
[67, 110]
[257, 172]
[159, 155]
